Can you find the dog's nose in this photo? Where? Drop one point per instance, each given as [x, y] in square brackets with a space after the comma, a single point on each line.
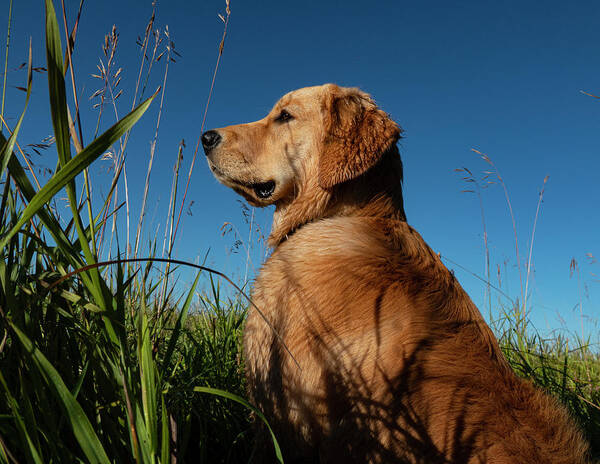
[210, 139]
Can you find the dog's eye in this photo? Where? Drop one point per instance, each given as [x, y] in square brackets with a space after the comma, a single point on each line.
[284, 116]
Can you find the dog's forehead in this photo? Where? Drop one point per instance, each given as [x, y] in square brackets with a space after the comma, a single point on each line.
[304, 96]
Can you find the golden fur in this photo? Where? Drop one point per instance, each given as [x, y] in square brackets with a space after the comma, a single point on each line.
[395, 362]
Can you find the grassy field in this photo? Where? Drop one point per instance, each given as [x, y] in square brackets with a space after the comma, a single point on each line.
[104, 361]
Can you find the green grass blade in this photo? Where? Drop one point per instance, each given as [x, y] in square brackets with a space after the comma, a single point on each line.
[76, 165]
[179, 324]
[81, 426]
[56, 86]
[3, 455]
[29, 447]
[242, 401]
[165, 438]
[148, 380]
[142, 433]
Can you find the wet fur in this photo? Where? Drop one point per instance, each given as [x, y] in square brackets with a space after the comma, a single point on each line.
[396, 362]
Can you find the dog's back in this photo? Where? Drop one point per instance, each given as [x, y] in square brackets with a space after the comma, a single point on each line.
[396, 361]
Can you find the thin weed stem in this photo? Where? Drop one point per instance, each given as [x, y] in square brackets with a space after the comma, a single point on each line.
[488, 160]
[574, 268]
[154, 141]
[537, 212]
[170, 221]
[212, 84]
[470, 178]
[477, 276]
[239, 241]
[248, 248]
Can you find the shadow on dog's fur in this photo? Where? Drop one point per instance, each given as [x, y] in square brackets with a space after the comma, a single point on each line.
[396, 362]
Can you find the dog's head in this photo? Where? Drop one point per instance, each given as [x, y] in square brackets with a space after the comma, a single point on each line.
[313, 141]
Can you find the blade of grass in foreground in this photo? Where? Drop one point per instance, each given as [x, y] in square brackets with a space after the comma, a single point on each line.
[56, 86]
[148, 382]
[181, 318]
[60, 121]
[81, 426]
[165, 437]
[76, 165]
[29, 445]
[242, 401]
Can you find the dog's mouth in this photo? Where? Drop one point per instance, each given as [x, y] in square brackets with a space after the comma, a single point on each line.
[263, 190]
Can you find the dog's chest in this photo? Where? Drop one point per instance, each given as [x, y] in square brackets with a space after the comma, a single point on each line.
[321, 304]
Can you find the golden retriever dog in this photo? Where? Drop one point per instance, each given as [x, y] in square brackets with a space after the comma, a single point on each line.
[367, 348]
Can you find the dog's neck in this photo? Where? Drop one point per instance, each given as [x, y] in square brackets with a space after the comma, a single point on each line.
[376, 193]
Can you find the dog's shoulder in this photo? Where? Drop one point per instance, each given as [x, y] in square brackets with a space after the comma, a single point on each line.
[337, 242]
[342, 252]
[324, 257]
[348, 243]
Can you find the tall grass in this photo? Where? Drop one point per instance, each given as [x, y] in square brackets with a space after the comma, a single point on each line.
[102, 361]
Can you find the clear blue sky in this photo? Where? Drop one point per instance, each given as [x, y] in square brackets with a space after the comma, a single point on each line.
[501, 77]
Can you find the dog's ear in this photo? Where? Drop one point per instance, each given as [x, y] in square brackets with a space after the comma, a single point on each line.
[357, 134]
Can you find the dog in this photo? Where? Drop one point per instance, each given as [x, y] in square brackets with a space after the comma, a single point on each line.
[366, 348]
